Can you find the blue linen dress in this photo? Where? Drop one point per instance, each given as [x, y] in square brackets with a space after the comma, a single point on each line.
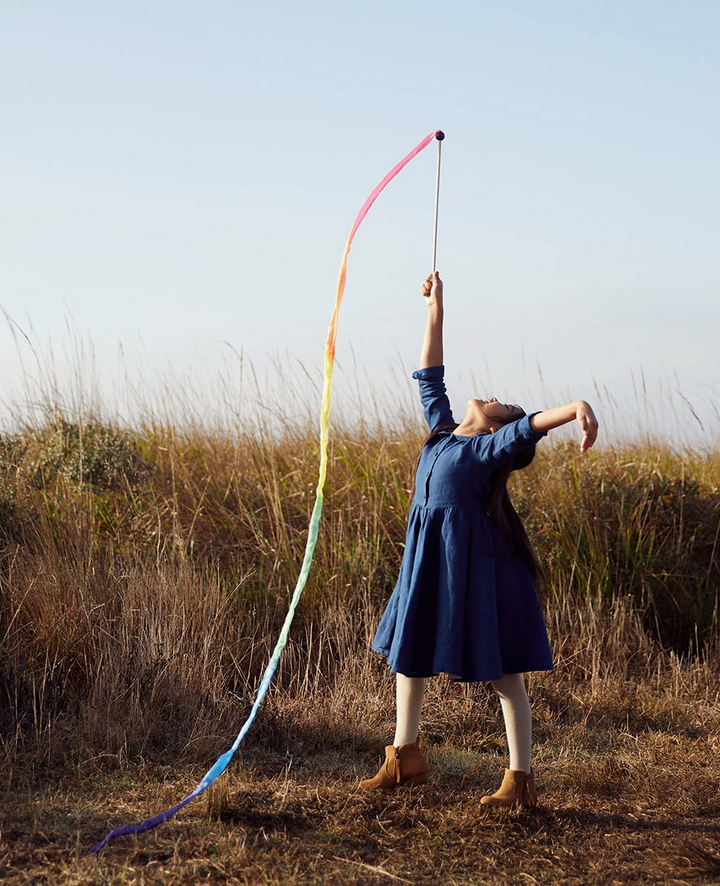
[464, 603]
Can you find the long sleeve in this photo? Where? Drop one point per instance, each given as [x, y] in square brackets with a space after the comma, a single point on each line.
[433, 396]
[493, 449]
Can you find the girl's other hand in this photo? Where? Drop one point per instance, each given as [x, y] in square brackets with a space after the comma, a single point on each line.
[588, 425]
[432, 290]
[580, 410]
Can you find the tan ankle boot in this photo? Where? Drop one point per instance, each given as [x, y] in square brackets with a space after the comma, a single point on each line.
[403, 765]
[517, 791]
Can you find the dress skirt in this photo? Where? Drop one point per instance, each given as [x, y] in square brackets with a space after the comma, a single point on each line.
[464, 604]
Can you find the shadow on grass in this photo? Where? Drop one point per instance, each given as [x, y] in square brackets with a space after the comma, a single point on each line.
[584, 819]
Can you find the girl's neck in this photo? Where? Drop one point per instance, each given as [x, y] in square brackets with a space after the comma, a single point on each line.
[469, 428]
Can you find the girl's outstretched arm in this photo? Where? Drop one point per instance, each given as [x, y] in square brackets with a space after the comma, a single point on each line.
[432, 346]
[561, 415]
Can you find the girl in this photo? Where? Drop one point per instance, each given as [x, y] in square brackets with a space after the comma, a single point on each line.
[465, 603]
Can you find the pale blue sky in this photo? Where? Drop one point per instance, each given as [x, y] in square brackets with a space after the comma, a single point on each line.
[177, 175]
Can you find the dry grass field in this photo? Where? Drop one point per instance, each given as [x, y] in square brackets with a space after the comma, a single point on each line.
[143, 579]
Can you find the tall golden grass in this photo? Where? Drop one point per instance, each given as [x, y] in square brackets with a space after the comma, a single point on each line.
[144, 574]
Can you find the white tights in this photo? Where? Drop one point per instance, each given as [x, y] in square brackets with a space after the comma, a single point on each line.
[410, 692]
[513, 700]
[518, 719]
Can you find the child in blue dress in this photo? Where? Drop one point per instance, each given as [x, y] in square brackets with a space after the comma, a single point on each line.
[465, 603]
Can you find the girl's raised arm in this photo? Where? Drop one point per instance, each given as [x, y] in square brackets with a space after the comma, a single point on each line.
[432, 346]
[542, 422]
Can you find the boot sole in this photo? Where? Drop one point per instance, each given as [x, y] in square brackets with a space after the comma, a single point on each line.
[421, 778]
[504, 805]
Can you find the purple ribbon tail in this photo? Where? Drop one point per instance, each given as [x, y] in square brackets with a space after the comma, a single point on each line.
[149, 823]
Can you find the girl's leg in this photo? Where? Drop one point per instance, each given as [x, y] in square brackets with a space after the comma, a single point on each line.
[518, 786]
[410, 692]
[518, 719]
[404, 763]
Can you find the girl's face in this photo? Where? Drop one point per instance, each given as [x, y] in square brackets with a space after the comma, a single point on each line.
[490, 414]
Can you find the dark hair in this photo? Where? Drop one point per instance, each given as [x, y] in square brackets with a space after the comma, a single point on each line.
[501, 511]
[499, 507]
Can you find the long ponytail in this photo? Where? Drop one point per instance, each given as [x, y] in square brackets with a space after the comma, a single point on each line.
[501, 511]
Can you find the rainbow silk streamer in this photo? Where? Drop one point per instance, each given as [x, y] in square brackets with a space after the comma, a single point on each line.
[223, 761]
